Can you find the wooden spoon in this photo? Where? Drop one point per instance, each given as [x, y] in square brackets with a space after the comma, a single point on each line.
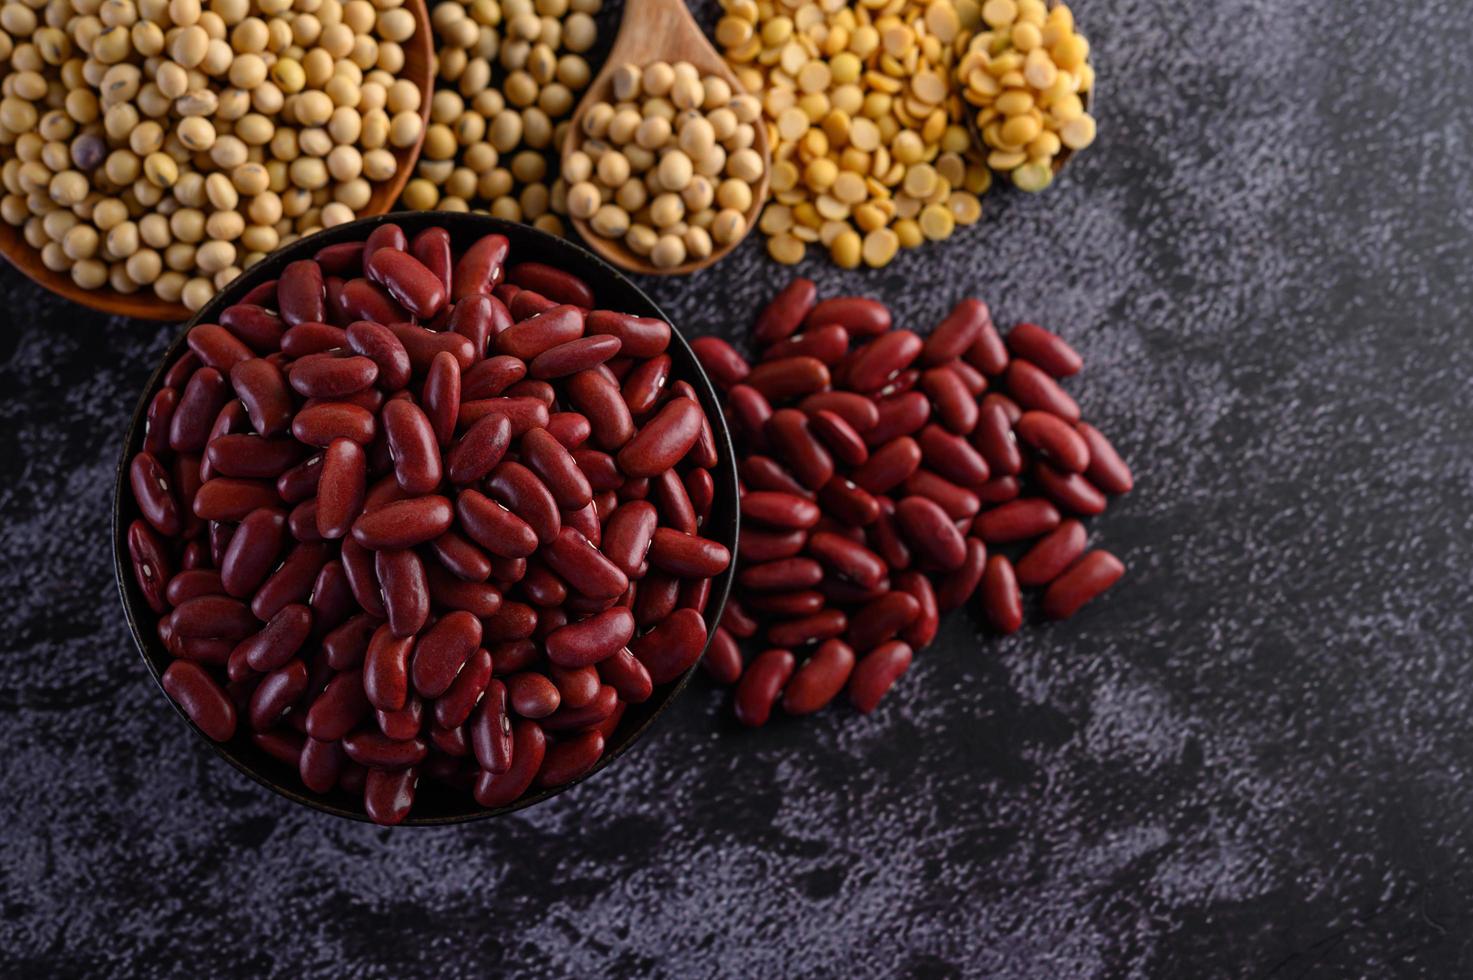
[661, 30]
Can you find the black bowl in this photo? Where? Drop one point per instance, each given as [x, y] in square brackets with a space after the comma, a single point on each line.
[434, 803]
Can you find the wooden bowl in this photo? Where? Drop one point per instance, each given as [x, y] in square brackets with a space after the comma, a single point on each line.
[662, 30]
[419, 68]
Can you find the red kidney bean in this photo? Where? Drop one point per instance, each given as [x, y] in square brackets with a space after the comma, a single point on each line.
[412, 446]
[320, 764]
[491, 378]
[402, 725]
[572, 719]
[1070, 491]
[219, 538]
[387, 235]
[331, 375]
[952, 457]
[664, 440]
[789, 433]
[845, 443]
[480, 267]
[1052, 555]
[423, 344]
[463, 559]
[646, 384]
[958, 502]
[955, 589]
[577, 686]
[601, 402]
[345, 646]
[1085, 580]
[956, 334]
[552, 282]
[582, 354]
[583, 566]
[480, 598]
[388, 795]
[340, 490]
[889, 466]
[901, 415]
[847, 559]
[860, 412]
[813, 628]
[922, 631]
[279, 640]
[761, 685]
[413, 285]
[523, 414]
[877, 673]
[1017, 520]
[300, 295]
[386, 669]
[340, 707]
[788, 378]
[764, 546]
[150, 566]
[591, 640]
[528, 751]
[686, 555]
[737, 621]
[820, 679]
[1106, 469]
[995, 441]
[312, 338]
[478, 319]
[784, 575]
[723, 659]
[321, 424]
[404, 523]
[156, 422]
[1034, 389]
[882, 360]
[570, 429]
[929, 531]
[331, 598]
[765, 473]
[673, 646]
[406, 589]
[192, 688]
[749, 410]
[882, 620]
[626, 676]
[786, 312]
[1001, 600]
[860, 316]
[848, 503]
[431, 248]
[519, 489]
[1055, 440]
[263, 390]
[362, 579]
[455, 705]
[779, 509]
[179, 372]
[828, 344]
[379, 752]
[557, 469]
[638, 336]
[253, 551]
[193, 582]
[571, 760]
[379, 344]
[223, 499]
[340, 259]
[217, 347]
[283, 746]
[956, 406]
[1047, 350]
[155, 498]
[243, 455]
[786, 604]
[277, 692]
[478, 451]
[700, 487]
[203, 397]
[292, 580]
[258, 327]
[531, 337]
[442, 651]
[532, 695]
[720, 360]
[987, 353]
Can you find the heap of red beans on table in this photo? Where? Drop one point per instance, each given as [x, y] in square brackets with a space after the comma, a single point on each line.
[877, 468]
[404, 518]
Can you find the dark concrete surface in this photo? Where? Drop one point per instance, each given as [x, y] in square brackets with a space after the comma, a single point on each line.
[1252, 760]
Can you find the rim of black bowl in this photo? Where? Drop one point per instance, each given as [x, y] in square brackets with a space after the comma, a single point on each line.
[435, 803]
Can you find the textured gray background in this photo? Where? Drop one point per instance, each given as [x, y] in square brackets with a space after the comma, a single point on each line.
[1252, 760]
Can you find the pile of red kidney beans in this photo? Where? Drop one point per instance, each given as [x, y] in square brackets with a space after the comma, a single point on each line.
[888, 477]
[410, 513]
